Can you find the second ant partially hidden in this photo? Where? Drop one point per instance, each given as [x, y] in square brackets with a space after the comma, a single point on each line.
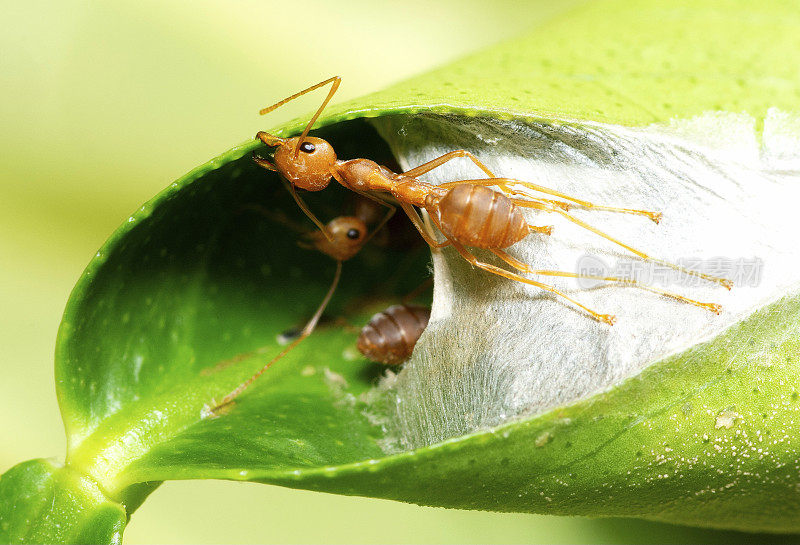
[466, 212]
[341, 239]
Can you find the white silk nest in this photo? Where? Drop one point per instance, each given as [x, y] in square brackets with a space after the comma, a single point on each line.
[497, 350]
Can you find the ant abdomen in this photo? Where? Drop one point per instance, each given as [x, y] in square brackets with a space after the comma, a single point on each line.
[389, 337]
[478, 216]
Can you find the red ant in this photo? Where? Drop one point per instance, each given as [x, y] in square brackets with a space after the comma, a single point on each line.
[466, 212]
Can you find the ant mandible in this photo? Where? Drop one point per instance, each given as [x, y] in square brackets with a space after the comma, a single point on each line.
[466, 212]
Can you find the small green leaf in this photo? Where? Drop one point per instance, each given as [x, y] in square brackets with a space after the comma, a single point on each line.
[195, 279]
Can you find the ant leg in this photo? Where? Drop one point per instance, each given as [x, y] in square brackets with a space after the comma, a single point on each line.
[307, 330]
[728, 284]
[544, 229]
[488, 182]
[439, 161]
[605, 318]
[304, 207]
[504, 184]
[559, 204]
[537, 204]
[392, 209]
[417, 221]
[722, 281]
[713, 307]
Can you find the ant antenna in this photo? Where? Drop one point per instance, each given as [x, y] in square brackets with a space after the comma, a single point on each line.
[336, 81]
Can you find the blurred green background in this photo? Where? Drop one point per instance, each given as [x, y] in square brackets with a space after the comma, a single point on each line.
[105, 103]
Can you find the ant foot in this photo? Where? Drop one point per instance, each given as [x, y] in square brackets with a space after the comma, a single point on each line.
[726, 283]
[609, 319]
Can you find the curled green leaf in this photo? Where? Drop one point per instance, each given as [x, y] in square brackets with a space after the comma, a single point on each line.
[513, 401]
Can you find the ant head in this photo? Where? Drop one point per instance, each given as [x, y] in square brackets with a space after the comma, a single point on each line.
[348, 234]
[306, 162]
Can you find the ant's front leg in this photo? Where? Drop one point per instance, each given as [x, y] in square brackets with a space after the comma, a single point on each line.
[304, 207]
[439, 161]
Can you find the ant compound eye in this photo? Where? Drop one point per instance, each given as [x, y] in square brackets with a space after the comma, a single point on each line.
[307, 147]
[353, 234]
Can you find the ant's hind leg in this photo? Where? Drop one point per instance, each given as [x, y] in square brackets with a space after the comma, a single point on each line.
[527, 203]
[542, 204]
[605, 318]
[505, 183]
[722, 281]
[520, 266]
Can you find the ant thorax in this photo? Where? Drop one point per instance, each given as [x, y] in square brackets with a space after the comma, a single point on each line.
[358, 175]
[367, 175]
